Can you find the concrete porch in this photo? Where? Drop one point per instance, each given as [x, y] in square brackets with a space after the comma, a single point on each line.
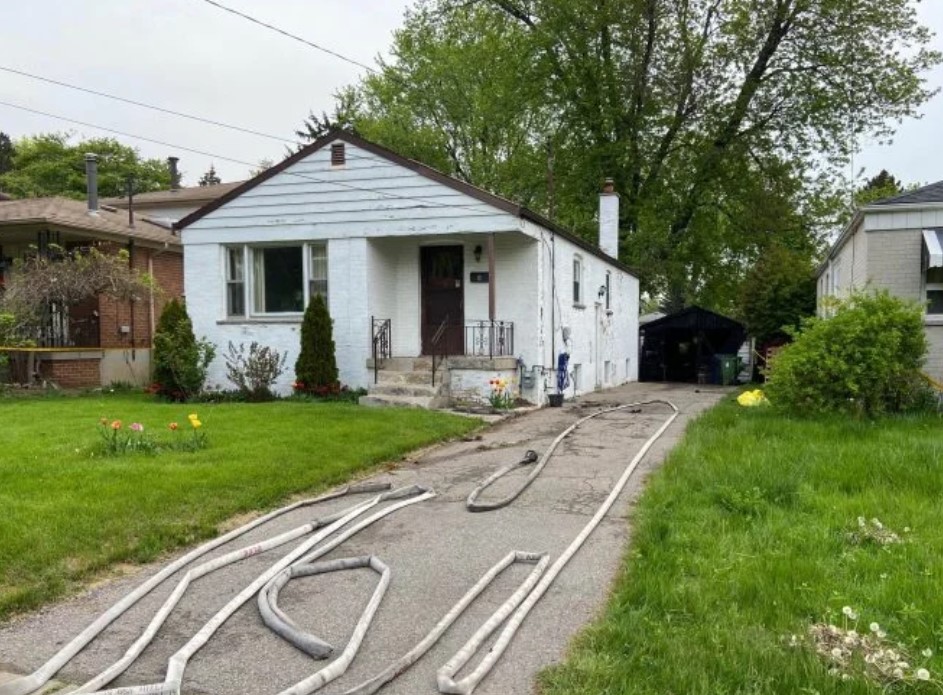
[459, 380]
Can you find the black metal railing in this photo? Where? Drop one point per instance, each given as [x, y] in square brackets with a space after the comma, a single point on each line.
[382, 330]
[57, 329]
[487, 338]
[439, 346]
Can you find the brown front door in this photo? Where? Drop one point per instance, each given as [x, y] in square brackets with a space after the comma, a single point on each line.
[442, 293]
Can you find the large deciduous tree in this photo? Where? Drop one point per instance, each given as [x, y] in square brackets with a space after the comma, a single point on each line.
[52, 165]
[712, 115]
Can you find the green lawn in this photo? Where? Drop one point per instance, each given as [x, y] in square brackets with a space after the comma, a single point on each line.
[742, 540]
[66, 514]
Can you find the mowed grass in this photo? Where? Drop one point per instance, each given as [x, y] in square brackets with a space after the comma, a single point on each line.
[66, 515]
[741, 540]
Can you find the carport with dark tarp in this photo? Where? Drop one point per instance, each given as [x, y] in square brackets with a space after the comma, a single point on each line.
[694, 345]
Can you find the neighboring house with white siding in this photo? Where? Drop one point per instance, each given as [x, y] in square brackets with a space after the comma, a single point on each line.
[894, 244]
[416, 267]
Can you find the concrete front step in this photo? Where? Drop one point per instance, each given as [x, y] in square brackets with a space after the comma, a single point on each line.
[403, 364]
[403, 389]
[383, 400]
[401, 378]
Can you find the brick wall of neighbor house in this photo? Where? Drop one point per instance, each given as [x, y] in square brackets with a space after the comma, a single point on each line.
[894, 262]
[167, 267]
[72, 373]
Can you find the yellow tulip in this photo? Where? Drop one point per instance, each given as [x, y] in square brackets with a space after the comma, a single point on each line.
[192, 416]
[196, 424]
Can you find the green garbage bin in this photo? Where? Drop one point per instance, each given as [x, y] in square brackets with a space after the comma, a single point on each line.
[729, 367]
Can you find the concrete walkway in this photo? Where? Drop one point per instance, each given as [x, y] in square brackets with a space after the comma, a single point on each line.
[436, 550]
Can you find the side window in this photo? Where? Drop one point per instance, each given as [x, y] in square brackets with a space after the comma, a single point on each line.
[577, 280]
[318, 276]
[934, 285]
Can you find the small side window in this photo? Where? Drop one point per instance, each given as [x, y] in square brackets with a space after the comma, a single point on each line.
[577, 280]
[235, 281]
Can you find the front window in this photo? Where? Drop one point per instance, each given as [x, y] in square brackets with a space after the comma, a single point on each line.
[278, 280]
[935, 290]
[318, 272]
[235, 281]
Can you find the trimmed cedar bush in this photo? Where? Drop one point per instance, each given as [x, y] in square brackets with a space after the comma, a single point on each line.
[864, 359]
[316, 368]
[180, 360]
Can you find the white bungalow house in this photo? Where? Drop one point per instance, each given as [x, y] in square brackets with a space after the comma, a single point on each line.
[434, 286]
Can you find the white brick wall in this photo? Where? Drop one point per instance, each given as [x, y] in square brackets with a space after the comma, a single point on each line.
[373, 259]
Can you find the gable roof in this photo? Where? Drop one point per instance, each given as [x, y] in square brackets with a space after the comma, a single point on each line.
[64, 212]
[932, 193]
[468, 189]
[189, 194]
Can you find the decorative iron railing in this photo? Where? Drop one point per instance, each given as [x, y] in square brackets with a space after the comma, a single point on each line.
[382, 332]
[487, 338]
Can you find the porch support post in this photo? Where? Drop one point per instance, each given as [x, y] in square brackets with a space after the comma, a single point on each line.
[491, 276]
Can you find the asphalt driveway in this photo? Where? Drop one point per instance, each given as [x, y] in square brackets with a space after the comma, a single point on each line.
[436, 550]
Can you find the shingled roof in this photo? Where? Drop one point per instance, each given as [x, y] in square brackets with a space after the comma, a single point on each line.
[190, 194]
[926, 194]
[74, 214]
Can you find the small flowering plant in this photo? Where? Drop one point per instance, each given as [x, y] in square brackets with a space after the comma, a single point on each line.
[869, 653]
[874, 532]
[500, 397]
[118, 439]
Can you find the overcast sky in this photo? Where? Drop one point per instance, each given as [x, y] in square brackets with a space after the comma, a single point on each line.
[189, 56]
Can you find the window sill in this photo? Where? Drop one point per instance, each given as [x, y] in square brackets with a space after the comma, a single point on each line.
[260, 320]
[933, 320]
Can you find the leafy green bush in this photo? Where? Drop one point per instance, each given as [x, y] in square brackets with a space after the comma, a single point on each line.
[316, 367]
[180, 360]
[864, 359]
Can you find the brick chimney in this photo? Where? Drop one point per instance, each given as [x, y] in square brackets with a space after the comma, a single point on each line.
[174, 173]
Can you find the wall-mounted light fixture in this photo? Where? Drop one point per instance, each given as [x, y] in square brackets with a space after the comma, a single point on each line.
[602, 291]
[477, 253]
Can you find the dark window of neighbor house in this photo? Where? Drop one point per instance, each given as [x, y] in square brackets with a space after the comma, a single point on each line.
[317, 274]
[278, 280]
[235, 281]
[935, 290]
[577, 280]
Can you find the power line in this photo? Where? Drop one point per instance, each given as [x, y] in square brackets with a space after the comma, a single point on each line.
[288, 34]
[142, 104]
[425, 202]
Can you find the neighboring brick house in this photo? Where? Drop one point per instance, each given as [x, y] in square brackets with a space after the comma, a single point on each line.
[415, 266]
[894, 244]
[102, 340]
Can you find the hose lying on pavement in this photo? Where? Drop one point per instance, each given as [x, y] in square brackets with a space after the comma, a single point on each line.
[339, 666]
[38, 678]
[285, 627]
[135, 650]
[178, 662]
[446, 674]
[530, 456]
[541, 560]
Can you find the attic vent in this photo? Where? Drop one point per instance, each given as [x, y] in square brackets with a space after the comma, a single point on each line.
[337, 154]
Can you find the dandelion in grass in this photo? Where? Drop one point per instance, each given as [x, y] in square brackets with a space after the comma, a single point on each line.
[922, 674]
[927, 653]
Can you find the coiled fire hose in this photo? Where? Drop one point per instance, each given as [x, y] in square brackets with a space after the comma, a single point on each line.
[36, 680]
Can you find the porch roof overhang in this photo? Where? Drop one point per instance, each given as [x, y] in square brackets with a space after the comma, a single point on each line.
[933, 242]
